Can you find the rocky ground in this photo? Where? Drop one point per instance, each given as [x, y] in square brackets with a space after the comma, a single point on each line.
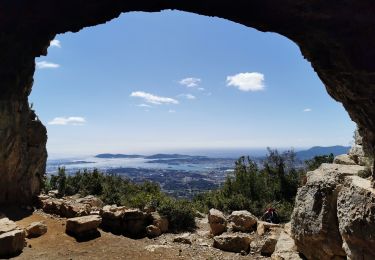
[56, 244]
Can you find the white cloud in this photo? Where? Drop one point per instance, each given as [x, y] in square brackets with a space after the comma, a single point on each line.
[187, 96]
[153, 99]
[201, 89]
[55, 43]
[143, 105]
[307, 110]
[46, 65]
[190, 82]
[171, 111]
[72, 120]
[248, 81]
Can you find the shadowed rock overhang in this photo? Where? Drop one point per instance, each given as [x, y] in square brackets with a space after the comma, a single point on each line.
[337, 37]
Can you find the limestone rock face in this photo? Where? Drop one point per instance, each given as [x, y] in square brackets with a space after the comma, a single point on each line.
[36, 229]
[242, 220]
[344, 159]
[335, 212]
[217, 221]
[236, 242]
[22, 152]
[356, 215]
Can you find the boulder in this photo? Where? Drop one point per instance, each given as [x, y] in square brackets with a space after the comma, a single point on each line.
[12, 238]
[242, 221]
[12, 243]
[233, 242]
[269, 245]
[91, 200]
[344, 159]
[160, 221]
[357, 153]
[36, 229]
[153, 231]
[314, 219]
[112, 217]
[83, 226]
[71, 209]
[217, 221]
[52, 206]
[356, 217]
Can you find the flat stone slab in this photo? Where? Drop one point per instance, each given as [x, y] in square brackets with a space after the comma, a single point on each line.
[12, 243]
[236, 242]
[81, 226]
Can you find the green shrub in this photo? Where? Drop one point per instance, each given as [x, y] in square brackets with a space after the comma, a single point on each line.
[256, 189]
[314, 163]
[180, 214]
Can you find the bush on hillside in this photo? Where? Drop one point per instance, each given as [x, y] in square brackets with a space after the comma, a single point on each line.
[113, 189]
[254, 189]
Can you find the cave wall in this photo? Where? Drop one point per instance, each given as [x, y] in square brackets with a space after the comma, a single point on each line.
[337, 37]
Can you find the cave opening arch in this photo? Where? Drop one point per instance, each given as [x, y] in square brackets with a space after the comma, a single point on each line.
[340, 52]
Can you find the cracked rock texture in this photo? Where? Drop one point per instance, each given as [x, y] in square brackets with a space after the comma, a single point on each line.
[337, 38]
[334, 215]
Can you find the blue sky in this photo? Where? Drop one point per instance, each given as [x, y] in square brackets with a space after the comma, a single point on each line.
[175, 81]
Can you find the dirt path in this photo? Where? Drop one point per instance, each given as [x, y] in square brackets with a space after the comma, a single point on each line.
[55, 244]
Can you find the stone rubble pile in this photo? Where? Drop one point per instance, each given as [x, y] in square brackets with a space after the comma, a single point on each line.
[116, 219]
[241, 232]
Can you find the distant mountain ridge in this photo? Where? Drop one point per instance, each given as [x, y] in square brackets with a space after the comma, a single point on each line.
[302, 155]
[172, 156]
[154, 156]
[117, 156]
[320, 150]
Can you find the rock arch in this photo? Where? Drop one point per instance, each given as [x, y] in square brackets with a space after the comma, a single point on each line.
[337, 37]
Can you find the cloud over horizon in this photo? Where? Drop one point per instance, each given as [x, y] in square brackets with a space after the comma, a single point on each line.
[55, 43]
[247, 81]
[187, 96]
[72, 120]
[143, 105]
[46, 65]
[307, 110]
[190, 82]
[153, 99]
